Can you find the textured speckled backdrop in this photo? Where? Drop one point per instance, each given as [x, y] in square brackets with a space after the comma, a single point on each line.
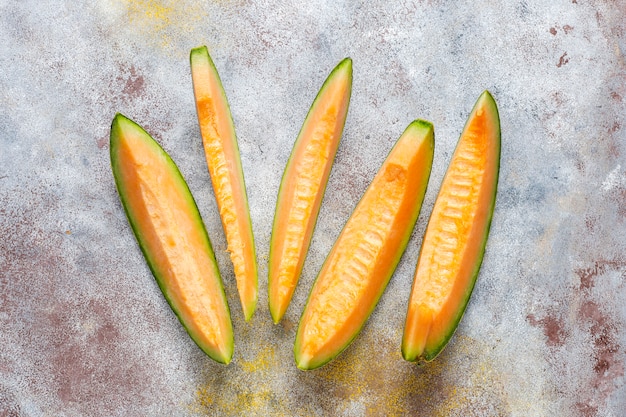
[84, 330]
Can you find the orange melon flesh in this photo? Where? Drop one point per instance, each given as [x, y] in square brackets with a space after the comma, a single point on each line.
[224, 164]
[455, 237]
[303, 185]
[367, 251]
[170, 232]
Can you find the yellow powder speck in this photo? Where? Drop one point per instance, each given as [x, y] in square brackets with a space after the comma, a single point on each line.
[370, 376]
[389, 386]
[246, 388]
[204, 397]
[165, 22]
[262, 362]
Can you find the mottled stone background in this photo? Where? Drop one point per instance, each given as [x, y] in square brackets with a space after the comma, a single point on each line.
[84, 330]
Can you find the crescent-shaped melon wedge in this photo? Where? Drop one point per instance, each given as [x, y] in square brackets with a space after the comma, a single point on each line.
[171, 235]
[224, 164]
[367, 251]
[455, 238]
[303, 184]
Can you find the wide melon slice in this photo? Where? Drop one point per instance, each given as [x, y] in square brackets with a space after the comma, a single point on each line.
[455, 238]
[367, 251]
[303, 184]
[172, 237]
[224, 163]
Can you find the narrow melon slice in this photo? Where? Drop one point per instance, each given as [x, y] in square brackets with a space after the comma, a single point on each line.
[455, 238]
[172, 237]
[367, 251]
[303, 185]
[224, 163]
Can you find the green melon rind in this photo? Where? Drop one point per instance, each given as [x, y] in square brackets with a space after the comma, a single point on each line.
[431, 352]
[428, 133]
[344, 66]
[120, 123]
[201, 53]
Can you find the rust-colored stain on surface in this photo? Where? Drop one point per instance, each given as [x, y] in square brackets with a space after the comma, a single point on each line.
[553, 327]
[133, 82]
[563, 60]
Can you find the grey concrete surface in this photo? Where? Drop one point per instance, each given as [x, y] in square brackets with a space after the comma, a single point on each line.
[84, 330]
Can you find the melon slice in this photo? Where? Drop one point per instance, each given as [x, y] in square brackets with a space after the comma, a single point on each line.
[224, 163]
[303, 184]
[455, 238]
[367, 251]
[172, 237]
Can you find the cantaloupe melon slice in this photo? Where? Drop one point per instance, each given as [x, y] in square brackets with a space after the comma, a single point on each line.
[454, 242]
[224, 163]
[367, 251]
[303, 184]
[171, 235]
